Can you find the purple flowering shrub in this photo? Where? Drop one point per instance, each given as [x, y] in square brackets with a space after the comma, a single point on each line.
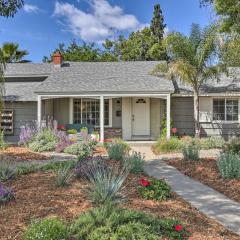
[63, 142]
[87, 166]
[27, 133]
[6, 194]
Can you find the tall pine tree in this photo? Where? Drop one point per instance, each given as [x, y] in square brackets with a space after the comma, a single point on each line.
[157, 23]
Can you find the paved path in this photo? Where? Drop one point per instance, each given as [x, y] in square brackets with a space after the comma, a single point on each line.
[204, 198]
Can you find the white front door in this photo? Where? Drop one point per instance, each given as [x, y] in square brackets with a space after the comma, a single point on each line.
[140, 116]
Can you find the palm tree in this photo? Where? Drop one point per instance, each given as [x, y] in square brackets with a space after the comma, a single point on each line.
[2, 67]
[192, 60]
[12, 54]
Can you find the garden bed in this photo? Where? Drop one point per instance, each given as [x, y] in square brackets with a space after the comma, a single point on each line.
[19, 154]
[37, 197]
[205, 170]
[23, 154]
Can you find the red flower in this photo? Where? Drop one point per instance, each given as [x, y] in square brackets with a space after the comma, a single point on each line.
[178, 227]
[61, 127]
[144, 182]
[174, 130]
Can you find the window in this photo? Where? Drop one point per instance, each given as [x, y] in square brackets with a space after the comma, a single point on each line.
[225, 109]
[88, 111]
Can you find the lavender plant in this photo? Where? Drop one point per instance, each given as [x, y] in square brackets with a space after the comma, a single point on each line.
[6, 194]
[27, 133]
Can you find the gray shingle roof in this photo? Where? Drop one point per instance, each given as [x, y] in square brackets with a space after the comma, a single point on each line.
[81, 77]
[107, 77]
[25, 69]
[20, 91]
[225, 85]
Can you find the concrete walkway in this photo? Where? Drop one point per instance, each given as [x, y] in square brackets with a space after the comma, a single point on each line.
[205, 199]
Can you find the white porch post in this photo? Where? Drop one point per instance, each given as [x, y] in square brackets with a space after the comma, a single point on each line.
[71, 110]
[39, 112]
[168, 116]
[101, 118]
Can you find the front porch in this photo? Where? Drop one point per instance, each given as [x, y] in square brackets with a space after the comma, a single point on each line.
[134, 117]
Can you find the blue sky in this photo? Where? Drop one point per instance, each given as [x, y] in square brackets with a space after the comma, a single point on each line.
[42, 24]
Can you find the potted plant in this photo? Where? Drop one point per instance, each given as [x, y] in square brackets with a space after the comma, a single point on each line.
[95, 136]
[72, 134]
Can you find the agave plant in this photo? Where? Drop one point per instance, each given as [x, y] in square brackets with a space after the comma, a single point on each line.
[107, 185]
[64, 176]
[7, 170]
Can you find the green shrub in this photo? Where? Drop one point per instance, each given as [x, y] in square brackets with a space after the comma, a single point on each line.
[211, 143]
[47, 229]
[64, 176]
[164, 145]
[72, 131]
[44, 141]
[117, 149]
[7, 170]
[26, 168]
[3, 144]
[107, 184]
[232, 146]
[130, 231]
[229, 165]
[173, 229]
[135, 162]
[81, 149]
[154, 189]
[190, 152]
[121, 224]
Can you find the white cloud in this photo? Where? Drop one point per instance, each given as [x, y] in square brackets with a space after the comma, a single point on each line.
[30, 8]
[103, 21]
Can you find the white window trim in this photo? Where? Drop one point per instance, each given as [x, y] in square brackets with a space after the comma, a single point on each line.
[109, 111]
[225, 121]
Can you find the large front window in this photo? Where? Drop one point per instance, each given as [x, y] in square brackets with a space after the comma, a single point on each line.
[88, 111]
[225, 109]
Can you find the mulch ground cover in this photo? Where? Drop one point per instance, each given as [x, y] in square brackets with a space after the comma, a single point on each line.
[20, 154]
[37, 197]
[206, 172]
[23, 154]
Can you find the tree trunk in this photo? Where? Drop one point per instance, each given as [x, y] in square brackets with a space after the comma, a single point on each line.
[196, 113]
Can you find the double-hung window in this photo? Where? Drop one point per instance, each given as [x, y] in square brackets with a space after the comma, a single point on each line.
[225, 109]
[88, 111]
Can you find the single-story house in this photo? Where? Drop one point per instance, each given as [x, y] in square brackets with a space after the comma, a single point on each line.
[118, 98]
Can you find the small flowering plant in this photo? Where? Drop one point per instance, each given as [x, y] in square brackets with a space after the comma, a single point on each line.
[61, 127]
[6, 194]
[154, 189]
[173, 229]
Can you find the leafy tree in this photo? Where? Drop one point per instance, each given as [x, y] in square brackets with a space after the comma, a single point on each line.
[8, 8]
[231, 51]
[157, 24]
[229, 11]
[140, 46]
[190, 61]
[84, 52]
[11, 53]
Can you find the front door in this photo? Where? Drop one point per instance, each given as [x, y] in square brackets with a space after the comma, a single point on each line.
[140, 116]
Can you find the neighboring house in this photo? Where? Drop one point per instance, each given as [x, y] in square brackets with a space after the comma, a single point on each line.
[117, 98]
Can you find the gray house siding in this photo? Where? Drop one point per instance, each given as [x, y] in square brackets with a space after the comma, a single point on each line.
[24, 113]
[182, 115]
[61, 110]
